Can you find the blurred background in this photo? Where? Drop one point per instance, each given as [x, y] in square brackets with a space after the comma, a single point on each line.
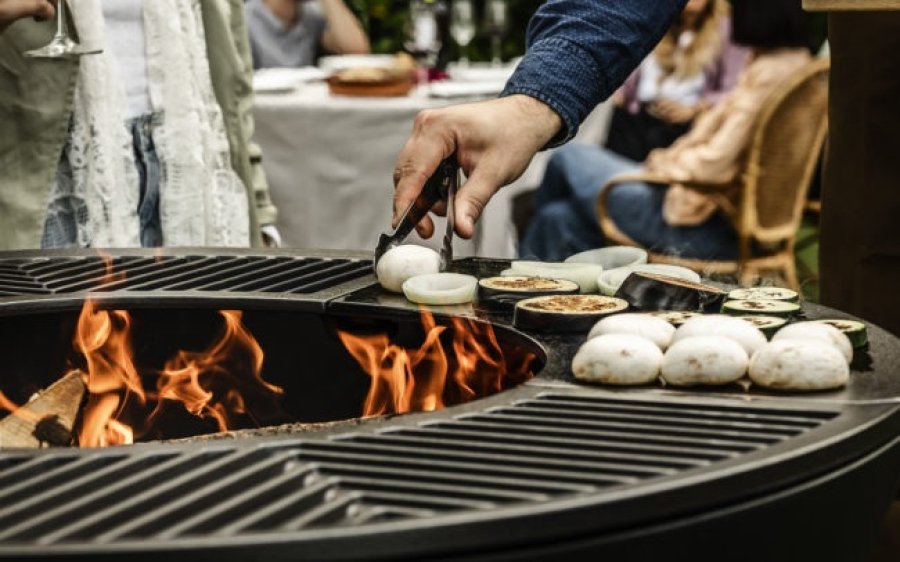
[386, 21]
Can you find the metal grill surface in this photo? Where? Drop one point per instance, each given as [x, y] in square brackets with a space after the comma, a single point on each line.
[205, 273]
[534, 450]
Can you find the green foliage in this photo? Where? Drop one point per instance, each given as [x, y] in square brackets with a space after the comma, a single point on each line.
[385, 21]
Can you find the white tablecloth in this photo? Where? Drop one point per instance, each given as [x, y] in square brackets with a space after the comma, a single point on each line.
[329, 162]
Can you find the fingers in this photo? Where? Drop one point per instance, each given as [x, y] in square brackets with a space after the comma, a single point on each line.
[45, 10]
[425, 228]
[418, 160]
[473, 196]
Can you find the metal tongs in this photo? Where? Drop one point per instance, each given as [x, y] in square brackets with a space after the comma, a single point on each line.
[443, 184]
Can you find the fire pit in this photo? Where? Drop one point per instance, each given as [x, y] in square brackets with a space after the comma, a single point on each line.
[533, 469]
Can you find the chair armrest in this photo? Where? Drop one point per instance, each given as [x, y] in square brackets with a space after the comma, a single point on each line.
[611, 232]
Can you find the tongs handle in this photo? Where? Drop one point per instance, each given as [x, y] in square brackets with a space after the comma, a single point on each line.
[438, 187]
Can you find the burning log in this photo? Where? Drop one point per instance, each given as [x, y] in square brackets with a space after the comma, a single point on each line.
[48, 418]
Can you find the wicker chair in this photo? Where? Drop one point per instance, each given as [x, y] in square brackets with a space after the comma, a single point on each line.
[775, 176]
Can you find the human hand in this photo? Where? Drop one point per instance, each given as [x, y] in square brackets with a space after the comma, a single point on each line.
[494, 142]
[11, 10]
[673, 111]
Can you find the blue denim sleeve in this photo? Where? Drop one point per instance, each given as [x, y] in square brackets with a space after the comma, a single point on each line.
[580, 51]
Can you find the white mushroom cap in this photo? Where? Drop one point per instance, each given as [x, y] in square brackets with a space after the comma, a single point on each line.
[704, 360]
[820, 332]
[621, 359]
[654, 329]
[799, 364]
[745, 333]
[402, 262]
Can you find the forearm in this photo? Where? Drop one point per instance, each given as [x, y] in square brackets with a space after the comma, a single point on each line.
[580, 51]
[343, 32]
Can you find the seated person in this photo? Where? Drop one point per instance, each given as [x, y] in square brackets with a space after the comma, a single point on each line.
[146, 144]
[692, 68]
[675, 219]
[289, 33]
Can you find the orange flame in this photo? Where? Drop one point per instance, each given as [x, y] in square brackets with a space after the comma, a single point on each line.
[203, 381]
[104, 338]
[427, 379]
[7, 404]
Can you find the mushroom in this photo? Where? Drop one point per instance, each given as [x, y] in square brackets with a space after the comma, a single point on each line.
[620, 359]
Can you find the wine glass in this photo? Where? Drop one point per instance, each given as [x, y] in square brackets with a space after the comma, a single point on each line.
[423, 40]
[495, 22]
[61, 46]
[462, 26]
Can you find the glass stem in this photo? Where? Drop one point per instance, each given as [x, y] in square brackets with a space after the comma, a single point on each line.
[61, 18]
[495, 50]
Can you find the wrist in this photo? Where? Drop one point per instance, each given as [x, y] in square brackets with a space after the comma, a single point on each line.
[544, 122]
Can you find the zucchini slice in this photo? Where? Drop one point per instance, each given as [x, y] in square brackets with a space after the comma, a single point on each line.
[855, 331]
[766, 324]
[564, 313]
[764, 293]
[754, 307]
[674, 317]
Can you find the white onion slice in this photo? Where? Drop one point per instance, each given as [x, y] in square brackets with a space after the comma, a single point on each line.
[611, 257]
[585, 274]
[440, 288]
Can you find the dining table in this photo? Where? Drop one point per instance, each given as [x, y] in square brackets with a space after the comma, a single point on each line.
[329, 159]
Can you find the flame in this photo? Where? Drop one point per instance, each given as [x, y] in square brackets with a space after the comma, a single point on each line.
[426, 378]
[7, 404]
[205, 382]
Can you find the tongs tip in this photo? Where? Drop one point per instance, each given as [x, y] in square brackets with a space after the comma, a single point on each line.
[441, 185]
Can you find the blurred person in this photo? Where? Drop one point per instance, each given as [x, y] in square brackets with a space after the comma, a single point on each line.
[146, 144]
[676, 219]
[290, 33]
[11, 10]
[690, 70]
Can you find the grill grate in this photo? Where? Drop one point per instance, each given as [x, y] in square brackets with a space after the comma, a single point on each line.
[552, 446]
[232, 273]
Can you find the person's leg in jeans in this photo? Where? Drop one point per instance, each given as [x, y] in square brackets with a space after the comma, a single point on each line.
[147, 164]
[557, 231]
[636, 208]
[565, 218]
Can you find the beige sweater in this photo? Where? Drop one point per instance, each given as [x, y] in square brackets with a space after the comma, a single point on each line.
[711, 151]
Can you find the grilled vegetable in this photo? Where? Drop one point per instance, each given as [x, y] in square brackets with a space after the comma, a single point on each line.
[611, 257]
[744, 333]
[764, 293]
[855, 331]
[649, 291]
[584, 274]
[674, 317]
[654, 329]
[620, 359]
[610, 280]
[440, 288]
[564, 313]
[768, 325]
[782, 309]
[704, 360]
[502, 293]
[799, 365]
[819, 332]
[402, 262]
